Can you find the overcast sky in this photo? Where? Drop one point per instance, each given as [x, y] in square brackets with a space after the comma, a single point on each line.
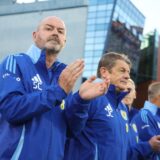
[149, 8]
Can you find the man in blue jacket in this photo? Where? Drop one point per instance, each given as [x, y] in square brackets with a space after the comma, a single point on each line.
[148, 119]
[129, 99]
[33, 87]
[134, 140]
[106, 133]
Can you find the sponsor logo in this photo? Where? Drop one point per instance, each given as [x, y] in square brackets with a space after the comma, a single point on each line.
[37, 82]
[6, 75]
[109, 110]
[145, 126]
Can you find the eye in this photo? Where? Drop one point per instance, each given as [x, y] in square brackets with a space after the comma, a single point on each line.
[122, 70]
[61, 31]
[48, 28]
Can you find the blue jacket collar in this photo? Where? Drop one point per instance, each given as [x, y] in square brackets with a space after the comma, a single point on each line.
[34, 53]
[151, 107]
[115, 97]
[119, 96]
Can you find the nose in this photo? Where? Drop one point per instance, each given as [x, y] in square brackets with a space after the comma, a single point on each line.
[55, 31]
[127, 75]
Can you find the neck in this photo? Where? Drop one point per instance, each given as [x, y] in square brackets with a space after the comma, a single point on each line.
[50, 59]
[129, 107]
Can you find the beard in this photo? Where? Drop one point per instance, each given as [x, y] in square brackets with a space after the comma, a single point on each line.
[53, 49]
[53, 45]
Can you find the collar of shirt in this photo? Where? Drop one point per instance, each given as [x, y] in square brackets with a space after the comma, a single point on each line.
[151, 107]
[115, 97]
[119, 95]
[37, 54]
[34, 53]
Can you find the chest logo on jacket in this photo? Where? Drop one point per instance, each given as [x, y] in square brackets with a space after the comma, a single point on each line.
[124, 115]
[62, 106]
[37, 82]
[109, 110]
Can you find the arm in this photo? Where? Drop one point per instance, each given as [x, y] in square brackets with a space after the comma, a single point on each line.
[19, 105]
[145, 150]
[77, 112]
[146, 125]
[142, 149]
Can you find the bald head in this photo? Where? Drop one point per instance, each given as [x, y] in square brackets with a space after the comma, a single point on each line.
[51, 18]
[153, 90]
[50, 34]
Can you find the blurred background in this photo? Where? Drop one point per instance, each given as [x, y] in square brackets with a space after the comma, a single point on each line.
[93, 28]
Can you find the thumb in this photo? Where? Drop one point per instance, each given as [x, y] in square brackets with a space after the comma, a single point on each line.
[91, 79]
[158, 137]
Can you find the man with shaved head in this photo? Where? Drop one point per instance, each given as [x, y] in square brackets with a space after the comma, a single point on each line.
[35, 92]
[148, 119]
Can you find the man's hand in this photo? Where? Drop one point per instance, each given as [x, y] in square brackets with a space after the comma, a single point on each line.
[70, 74]
[90, 89]
[155, 143]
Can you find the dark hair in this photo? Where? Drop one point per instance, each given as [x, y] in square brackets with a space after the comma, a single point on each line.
[109, 59]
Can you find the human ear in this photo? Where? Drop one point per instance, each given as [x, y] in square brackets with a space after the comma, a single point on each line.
[104, 72]
[34, 35]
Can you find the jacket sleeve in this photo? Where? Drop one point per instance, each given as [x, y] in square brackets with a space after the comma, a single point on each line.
[140, 150]
[18, 105]
[76, 113]
[137, 149]
[146, 125]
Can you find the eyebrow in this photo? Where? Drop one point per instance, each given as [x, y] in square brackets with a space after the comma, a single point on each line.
[54, 26]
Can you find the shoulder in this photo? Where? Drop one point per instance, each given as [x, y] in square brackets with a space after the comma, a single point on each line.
[14, 61]
[11, 59]
[143, 116]
[100, 100]
[98, 104]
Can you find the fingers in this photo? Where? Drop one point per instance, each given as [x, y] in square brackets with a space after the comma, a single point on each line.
[104, 87]
[75, 70]
[91, 79]
[158, 137]
[155, 143]
[76, 66]
[104, 83]
[70, 74]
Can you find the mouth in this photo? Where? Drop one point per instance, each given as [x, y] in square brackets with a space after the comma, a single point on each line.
[124, 82]
[54, 40]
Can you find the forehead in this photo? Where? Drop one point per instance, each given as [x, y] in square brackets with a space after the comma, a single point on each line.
[122, 64]
[53, 21]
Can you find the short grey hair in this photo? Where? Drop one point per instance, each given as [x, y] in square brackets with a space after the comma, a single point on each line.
[153, 90]
[109, 59]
